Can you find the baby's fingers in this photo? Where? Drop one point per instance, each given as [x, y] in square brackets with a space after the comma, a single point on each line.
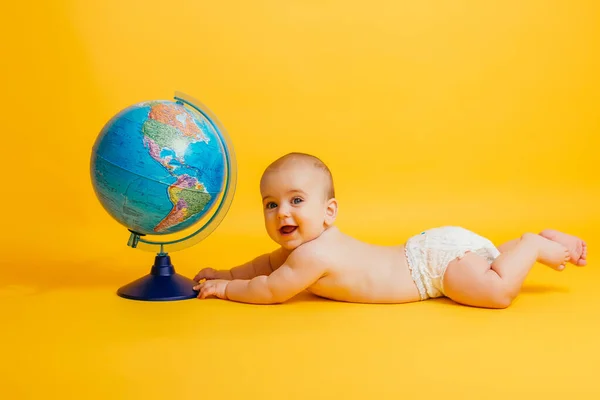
[206, 290]
[206, 273]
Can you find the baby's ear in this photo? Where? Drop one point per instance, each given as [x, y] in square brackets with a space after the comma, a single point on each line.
[331, 211]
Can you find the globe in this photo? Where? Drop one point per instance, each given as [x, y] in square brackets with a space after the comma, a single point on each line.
[164, 169]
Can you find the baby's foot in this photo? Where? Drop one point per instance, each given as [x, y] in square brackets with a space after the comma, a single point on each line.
[577, 247]
[553, 254]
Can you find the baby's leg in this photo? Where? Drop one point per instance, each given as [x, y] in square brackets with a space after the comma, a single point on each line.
[472, 281]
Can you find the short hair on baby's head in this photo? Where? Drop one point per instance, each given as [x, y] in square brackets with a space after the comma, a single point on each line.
[314, 161]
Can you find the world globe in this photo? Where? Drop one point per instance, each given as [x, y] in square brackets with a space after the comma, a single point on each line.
[164, 169]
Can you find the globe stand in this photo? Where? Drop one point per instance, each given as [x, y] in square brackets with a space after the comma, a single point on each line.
[162, 284]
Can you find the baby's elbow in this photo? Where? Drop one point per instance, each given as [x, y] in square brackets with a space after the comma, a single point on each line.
[278, 297]
[264, 292]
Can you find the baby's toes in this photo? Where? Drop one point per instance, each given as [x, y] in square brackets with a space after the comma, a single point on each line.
[575, 250]
[582, 260]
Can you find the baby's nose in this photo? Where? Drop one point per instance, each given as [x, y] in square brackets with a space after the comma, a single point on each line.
[284, 212]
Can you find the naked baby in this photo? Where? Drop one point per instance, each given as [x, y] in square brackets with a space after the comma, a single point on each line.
[300, 210]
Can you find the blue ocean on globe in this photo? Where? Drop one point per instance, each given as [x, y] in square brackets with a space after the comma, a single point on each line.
[158, 167]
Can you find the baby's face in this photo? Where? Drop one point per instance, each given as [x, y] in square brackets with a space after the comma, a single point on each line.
[294, 205]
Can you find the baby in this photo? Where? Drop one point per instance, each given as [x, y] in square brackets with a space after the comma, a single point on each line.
[300, 209]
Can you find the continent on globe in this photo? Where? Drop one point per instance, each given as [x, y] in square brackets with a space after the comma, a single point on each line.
[188, 198]
[154, 151]
[178, 117]
[170, 126]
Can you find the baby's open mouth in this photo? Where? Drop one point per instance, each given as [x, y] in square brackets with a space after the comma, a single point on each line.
[287, 229]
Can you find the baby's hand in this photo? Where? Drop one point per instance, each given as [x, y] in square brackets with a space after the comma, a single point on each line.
[212, 288]
[210, 273]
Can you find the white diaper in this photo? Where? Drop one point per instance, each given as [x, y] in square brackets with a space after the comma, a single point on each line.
[429, 254]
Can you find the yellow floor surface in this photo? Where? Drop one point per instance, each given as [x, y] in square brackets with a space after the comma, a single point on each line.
[67, 335]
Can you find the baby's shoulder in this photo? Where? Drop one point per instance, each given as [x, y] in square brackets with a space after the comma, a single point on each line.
[320, 250]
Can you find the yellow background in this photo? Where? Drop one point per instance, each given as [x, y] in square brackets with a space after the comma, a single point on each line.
[477, 113]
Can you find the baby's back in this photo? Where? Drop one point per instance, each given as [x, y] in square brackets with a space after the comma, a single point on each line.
[362, 272]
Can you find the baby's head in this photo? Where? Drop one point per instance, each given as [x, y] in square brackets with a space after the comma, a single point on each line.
[298, 199]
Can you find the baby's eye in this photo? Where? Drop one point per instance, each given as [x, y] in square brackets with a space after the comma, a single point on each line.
[296, 200]
[271, 205]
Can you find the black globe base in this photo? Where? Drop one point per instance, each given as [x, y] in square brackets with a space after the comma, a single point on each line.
[162, 284]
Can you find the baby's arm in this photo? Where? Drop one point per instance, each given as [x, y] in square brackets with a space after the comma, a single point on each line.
[261, 265]
[297, 273]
